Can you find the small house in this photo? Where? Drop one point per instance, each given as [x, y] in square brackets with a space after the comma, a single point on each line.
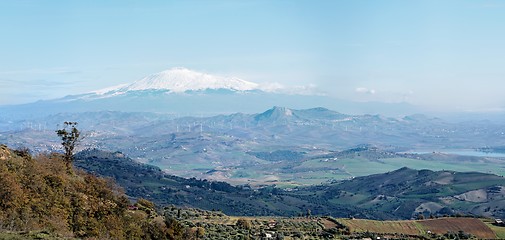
[499, 222]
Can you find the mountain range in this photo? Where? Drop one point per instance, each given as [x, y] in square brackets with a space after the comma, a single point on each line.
[185, 92]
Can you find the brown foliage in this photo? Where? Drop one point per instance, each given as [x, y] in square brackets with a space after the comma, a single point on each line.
[40, 193]
[244, 223]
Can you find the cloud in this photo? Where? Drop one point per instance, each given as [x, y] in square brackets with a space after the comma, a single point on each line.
[276, 87]
[364, 90]
[271, 87]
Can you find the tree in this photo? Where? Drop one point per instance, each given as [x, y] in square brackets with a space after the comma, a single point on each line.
[200, 232]
[244, 223]
[175, 229]
[69, 138]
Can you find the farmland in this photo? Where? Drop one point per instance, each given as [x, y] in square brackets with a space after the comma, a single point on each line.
[473, 226]
[220, 226]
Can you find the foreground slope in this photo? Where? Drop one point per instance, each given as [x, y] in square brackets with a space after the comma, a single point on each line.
[41, 194]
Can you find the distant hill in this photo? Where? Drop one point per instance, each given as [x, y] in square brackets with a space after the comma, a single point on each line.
[406, 193]
[401, 194]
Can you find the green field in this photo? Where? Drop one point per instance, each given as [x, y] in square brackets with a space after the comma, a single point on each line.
[500, 231]
[316, 171]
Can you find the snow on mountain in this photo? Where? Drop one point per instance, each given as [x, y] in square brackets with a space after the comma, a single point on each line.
[180, 80]
[110, 89]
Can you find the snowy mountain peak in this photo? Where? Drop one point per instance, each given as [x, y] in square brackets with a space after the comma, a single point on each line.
[183, 79]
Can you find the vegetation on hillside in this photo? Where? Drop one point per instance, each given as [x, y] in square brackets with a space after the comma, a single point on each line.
[40, 194]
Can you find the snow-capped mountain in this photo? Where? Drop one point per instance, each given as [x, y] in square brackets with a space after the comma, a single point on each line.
[185, 92]
[178, 80]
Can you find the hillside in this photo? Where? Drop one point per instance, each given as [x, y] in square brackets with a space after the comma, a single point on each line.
[141, 180]
[400, 194]
[406, 193]
[40, 195]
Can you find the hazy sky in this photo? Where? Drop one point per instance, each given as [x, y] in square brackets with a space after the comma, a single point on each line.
[441, 54]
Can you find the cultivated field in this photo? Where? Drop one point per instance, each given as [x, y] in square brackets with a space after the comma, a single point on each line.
[472, 226]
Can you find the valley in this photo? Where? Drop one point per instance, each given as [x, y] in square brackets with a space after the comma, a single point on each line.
[280, 146]
[400, 194]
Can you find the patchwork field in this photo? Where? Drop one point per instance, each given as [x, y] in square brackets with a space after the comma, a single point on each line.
[473, 226]
[314, 167]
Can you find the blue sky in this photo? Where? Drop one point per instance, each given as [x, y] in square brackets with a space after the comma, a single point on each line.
[438, 54]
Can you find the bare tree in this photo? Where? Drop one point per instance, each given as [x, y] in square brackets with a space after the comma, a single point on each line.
[69, 138]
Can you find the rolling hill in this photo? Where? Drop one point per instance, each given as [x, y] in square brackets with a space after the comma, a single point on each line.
[401, 194]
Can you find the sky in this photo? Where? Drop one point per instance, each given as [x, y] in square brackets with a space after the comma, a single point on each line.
[437, 54]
